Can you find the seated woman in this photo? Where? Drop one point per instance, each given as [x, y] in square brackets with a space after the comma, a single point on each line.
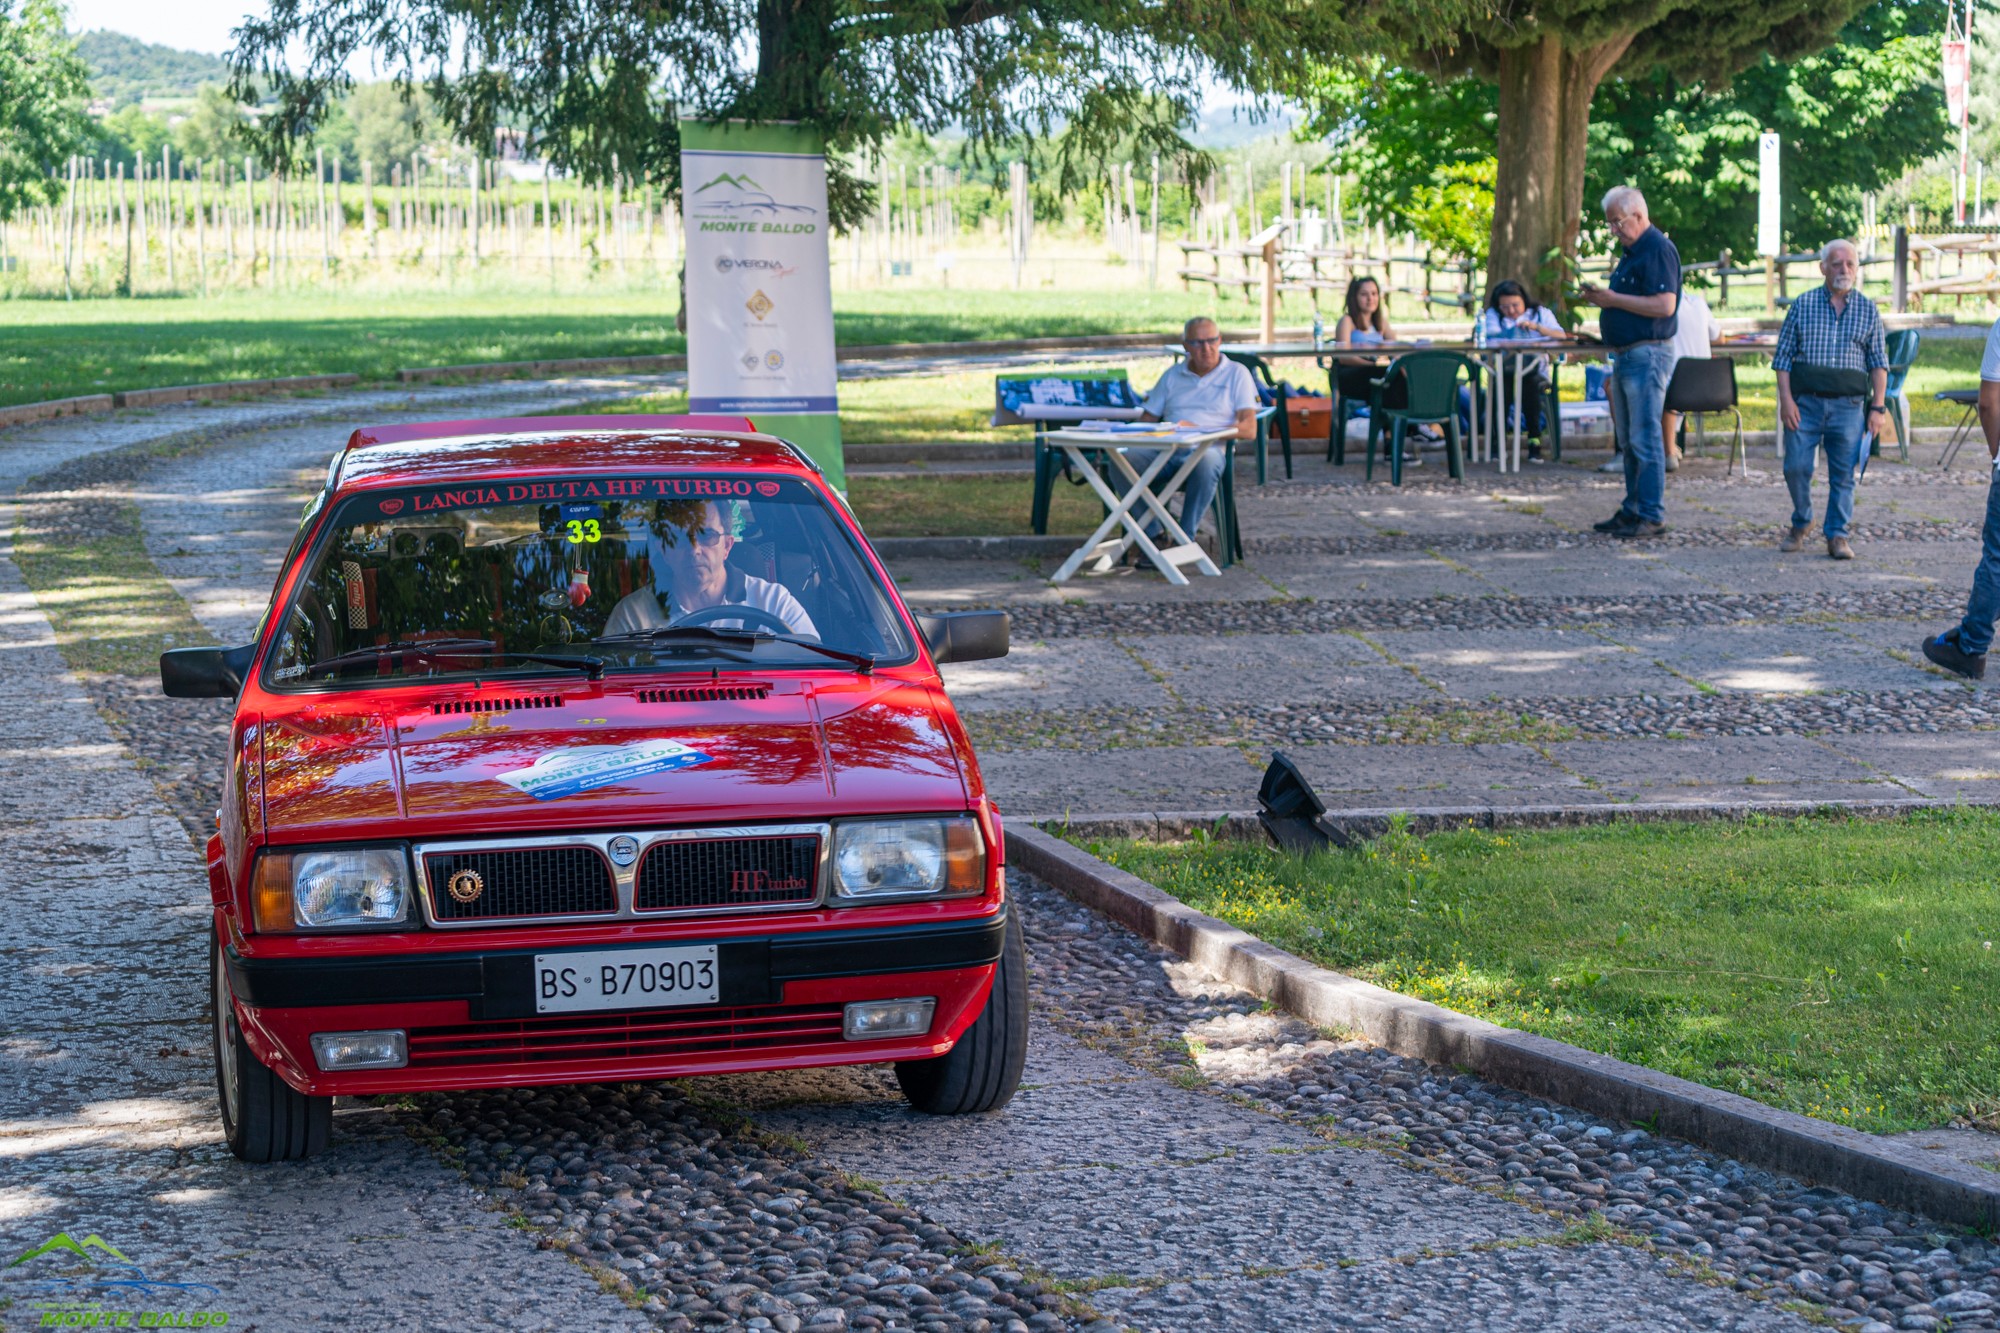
[1510, 315]
[1365, 323]
[691, 569]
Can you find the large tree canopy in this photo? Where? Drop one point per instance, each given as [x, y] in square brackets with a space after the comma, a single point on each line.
[1851, 119]
[608, 79]
[43, 87]
[1547, 61]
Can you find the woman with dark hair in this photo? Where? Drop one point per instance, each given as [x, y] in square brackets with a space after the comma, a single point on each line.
[1510, 315]
[1364, 323]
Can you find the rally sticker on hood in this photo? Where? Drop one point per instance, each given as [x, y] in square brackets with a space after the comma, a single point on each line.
[587, 767]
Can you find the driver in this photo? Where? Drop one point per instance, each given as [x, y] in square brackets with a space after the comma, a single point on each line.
[691, 572]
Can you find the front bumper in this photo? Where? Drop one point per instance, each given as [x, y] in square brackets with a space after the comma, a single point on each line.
[472, 1021]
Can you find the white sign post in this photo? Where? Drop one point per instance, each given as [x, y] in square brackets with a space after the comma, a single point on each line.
[759, 282]
[1770, 241]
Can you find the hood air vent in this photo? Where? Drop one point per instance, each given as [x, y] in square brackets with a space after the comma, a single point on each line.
[497, 705]
[702, 694]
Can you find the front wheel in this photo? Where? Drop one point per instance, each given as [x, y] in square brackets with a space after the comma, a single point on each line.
[981, 1072]
[263, 1119]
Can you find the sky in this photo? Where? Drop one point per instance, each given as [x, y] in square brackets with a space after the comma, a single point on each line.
[190, 25]
[204, 25]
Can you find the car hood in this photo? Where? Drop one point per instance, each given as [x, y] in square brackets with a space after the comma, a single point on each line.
[513, 759]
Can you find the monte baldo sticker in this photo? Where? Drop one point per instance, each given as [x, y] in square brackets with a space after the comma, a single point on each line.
[571, 772]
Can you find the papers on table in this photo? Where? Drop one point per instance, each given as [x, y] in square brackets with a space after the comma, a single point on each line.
[1143, 430]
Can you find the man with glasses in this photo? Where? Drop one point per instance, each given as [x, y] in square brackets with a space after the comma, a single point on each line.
[1830, 360]
[1638, 324]
[691, 571]
[1206, 393]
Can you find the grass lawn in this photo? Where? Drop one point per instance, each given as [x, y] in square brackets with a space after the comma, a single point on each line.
[57, 349]
[1846, 969]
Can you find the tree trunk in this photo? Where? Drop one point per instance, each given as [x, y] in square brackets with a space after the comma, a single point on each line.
[1545, 92]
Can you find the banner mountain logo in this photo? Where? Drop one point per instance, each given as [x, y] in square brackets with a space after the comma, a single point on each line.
[731, 195]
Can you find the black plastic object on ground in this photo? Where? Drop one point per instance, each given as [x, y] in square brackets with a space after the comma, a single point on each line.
[1289, 809]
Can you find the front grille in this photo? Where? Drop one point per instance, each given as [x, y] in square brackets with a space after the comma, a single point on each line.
[537, 881]
[729, 872]
[497, 705]
[636, 1037]
[703, 694]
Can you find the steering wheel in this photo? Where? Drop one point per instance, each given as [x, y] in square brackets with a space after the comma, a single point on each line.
[708, 615]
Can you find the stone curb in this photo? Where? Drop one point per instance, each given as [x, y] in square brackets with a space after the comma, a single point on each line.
[24, 413]
[1812, 1150]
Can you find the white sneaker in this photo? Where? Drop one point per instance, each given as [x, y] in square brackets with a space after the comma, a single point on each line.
[1616, 464]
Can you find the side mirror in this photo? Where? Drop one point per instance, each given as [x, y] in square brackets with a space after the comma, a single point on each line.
[966, 636]
[205, 673]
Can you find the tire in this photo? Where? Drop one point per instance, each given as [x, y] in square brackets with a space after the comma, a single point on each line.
[980, 1073]
[263, 1119]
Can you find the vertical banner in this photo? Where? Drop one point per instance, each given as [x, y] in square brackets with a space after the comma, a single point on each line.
[1770, 230]
[759, 282]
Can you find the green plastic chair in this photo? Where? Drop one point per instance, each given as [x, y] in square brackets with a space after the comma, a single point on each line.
[1282, 419]
[1901, 347]
[1432, 384]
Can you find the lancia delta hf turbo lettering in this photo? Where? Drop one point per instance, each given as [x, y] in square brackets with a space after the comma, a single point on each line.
[593, 749]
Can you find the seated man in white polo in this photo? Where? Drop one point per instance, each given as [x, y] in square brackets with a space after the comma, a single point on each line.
[1204, 392]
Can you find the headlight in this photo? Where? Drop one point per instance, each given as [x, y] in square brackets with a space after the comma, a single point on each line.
[907, 858]
[333, 889]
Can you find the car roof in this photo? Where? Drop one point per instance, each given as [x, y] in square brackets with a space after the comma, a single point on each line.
[422, 453]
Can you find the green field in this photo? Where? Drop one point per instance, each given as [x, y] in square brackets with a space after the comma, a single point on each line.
[1842, 968]
[56, 349]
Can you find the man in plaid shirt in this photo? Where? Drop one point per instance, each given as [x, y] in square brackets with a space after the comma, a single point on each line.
[1830, 362]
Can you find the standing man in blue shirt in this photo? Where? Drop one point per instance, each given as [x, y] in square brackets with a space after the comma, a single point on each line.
[1638, 323]
[1830, 359]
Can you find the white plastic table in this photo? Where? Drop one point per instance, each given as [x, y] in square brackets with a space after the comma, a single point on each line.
[1105, 550]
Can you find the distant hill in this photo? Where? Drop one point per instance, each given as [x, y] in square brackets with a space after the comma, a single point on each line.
[125, 69]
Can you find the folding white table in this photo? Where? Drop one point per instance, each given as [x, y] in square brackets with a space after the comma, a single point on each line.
[1105, 550]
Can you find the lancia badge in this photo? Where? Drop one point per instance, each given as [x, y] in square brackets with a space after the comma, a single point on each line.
[465, 886]
[624, 850]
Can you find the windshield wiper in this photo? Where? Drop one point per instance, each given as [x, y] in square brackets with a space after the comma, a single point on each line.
[863, 661]
[431, 650]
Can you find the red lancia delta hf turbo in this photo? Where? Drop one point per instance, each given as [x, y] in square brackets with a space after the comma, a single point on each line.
[595, 748]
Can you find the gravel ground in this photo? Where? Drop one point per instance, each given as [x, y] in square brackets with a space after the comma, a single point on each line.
[1560, 539]
[1429, 721]
[1073, 620]
[1760, 1233]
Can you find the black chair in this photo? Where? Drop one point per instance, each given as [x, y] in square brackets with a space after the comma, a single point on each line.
[1968, 422]
[1704, 384]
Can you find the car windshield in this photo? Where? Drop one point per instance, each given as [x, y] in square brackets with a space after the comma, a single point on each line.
[673, 571]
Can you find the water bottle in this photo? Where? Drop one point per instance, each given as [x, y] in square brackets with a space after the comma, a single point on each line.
[1479, 331]
[1319, 330]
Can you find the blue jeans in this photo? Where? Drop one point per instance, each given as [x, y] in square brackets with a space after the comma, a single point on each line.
[1834, 423]
[1196, 496]
[1975, 632]
[1638, 391]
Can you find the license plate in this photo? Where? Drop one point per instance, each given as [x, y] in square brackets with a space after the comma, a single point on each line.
[625, 979]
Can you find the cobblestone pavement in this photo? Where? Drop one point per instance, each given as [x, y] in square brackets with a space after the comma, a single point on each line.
[1479, 646]
[1179, 1158]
